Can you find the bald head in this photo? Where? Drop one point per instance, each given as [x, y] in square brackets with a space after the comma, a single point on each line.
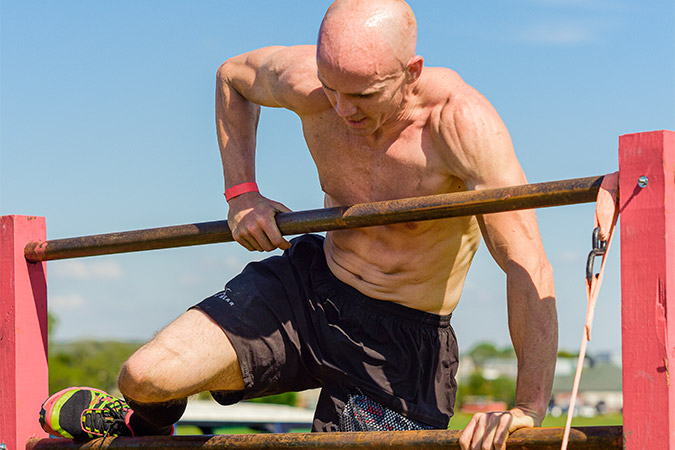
[367, 36]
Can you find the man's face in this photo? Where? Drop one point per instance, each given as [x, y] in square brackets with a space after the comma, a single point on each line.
[364, 102]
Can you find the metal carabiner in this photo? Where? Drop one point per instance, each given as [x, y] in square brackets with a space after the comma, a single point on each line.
[599, 249]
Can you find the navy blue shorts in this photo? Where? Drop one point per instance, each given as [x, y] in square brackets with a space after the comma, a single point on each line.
[295, 326]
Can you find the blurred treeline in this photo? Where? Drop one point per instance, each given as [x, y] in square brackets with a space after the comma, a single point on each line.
[86, 362]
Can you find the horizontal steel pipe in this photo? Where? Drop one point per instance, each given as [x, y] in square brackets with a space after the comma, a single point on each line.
[581, 438]
[467, 203]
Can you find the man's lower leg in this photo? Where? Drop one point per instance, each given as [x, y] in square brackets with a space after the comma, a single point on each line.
[154, 419]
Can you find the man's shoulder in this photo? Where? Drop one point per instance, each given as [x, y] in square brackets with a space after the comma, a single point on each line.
[301, 55]
[460, 117]
[446, 88]
[448, 97]
[457, 107]
[443, 75]
[297, 83]
[299, 80]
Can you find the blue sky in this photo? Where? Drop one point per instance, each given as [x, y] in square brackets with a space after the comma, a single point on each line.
[106, 124]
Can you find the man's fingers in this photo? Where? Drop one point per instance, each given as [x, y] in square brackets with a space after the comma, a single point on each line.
[496, 431]
[272, 237]
[487, 431]
[249, 235]
[276, 238]
[244, 242]
[502, 431]
[488, 438]
[259, 236]
[479, 441]
[254, 226]
[467, 435]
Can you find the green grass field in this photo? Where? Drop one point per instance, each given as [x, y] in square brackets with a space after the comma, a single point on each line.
[458, 422]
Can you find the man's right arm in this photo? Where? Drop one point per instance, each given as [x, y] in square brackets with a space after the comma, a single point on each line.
[244, 83]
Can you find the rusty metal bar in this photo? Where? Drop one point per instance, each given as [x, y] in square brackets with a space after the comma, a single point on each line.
[581, 438]
[538, 195]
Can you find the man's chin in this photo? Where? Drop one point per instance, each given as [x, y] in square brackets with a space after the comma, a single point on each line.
[360, 130]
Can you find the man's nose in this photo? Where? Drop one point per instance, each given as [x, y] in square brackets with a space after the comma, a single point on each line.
[343, 106]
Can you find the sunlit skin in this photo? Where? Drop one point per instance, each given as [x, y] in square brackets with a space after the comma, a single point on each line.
[379, 126]
[364, 105]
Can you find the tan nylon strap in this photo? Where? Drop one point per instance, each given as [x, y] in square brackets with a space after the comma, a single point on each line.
[606, 215]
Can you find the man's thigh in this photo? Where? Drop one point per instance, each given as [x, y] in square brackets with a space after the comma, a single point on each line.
[267, 312]
[190, 355]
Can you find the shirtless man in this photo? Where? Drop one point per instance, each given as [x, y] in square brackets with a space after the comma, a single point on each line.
[365, 313]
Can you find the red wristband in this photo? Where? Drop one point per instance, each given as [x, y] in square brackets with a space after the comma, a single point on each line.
[239, 189]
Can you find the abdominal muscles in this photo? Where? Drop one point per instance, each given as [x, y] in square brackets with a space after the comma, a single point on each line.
[421, 265]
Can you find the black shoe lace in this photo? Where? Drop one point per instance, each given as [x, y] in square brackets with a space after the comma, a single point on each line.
[107, 420]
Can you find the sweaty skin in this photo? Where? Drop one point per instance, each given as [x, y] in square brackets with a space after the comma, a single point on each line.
[381, 127]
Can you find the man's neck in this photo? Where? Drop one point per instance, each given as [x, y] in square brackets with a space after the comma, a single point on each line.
[406, 114]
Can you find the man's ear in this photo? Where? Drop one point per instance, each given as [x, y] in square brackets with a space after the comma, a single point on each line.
[415, 68]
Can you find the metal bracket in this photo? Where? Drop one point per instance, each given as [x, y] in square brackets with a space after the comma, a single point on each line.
[599, 249]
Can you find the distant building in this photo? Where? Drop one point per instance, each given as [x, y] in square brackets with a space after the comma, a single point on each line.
[508, 367]
[494, 368]
[600, 387]
[599, 390]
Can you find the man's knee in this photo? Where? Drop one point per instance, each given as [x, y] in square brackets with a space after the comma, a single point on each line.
[155, 373]
[190, 355]
[139, 379]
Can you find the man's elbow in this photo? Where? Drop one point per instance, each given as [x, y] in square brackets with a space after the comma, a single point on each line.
[224, 72]
[231, 82]
[535, 265]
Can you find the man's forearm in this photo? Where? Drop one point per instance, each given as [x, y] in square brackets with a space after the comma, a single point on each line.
[236, 124]
[533, 325]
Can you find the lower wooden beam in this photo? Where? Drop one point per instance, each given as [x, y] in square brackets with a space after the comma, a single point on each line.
[581, 438]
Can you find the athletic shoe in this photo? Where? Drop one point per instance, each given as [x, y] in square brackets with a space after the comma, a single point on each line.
[83, 413]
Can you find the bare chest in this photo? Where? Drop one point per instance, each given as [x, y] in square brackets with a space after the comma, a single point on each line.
[352, 170]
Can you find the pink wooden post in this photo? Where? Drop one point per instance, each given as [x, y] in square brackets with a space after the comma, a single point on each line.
[647, 279]
[23, 332]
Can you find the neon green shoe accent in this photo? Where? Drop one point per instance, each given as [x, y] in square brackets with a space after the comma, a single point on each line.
[56, 412]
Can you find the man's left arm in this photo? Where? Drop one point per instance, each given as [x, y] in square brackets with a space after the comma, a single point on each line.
[513, 240]
[481, 153]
